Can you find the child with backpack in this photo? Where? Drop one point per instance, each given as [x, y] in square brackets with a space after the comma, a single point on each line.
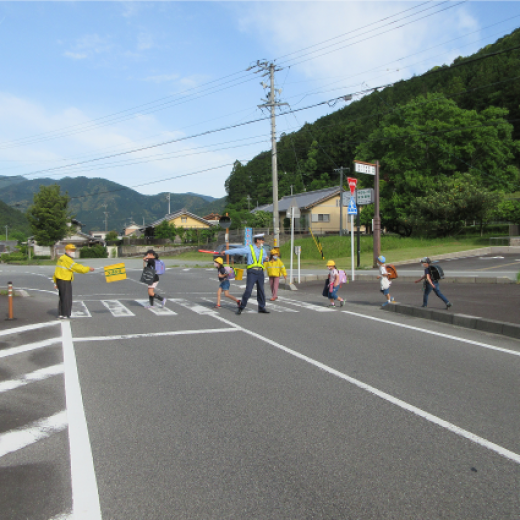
[274, 268]
[333, 284]
[223, 277]
[152, 260]
[385, 283]
[432, 275]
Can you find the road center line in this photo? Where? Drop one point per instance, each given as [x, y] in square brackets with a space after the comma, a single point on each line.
[440, 334]
[515, 457]
[154, 334]
[85, 495]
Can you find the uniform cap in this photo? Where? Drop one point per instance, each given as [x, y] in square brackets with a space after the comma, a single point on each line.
[70, 247]
[219, 260]
[260, 236]
[381, 259]
[331, 263]
[426, 260]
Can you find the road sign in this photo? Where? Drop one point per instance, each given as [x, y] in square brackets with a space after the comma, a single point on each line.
[364, 197]
[362, 167]
[352, 184]
[352, 209]
[346, 198]
[296, 213]
[298, 250]
[249, 236]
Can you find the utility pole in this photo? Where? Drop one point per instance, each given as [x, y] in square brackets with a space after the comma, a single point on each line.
[248, 202]
[340, 170]
[269, 69]
[106, 219]
[377, 218]
[168, 199]
[6, 237]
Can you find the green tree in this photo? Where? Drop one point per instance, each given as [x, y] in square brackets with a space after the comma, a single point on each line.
[48, 216]
[165, 230]
[509, 210]
[261, 219]
[111, 235]
[421, 144]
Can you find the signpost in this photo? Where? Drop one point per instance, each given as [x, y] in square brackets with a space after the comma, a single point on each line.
[352, 210]
[373, 169]
[298, 251]
[292, 213]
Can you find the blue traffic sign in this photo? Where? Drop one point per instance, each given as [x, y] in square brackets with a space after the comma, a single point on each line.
[352, 209]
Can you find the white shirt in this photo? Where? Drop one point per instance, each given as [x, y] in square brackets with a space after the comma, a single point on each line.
[384, 282]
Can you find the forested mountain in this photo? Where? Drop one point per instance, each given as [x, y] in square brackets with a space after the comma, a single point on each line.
[14, 219]
[89, 197]
[466, 89]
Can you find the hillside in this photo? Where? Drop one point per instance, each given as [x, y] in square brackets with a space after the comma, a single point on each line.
[13, 218]
[472, 83]
[89, 197]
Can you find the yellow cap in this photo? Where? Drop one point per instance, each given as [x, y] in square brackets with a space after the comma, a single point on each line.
[70, 247]
[331, 263]
[219, 260]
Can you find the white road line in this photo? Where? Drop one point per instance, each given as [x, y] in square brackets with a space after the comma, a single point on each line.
[25, 328]
[153, 334]
[440, 334]
[159, 311]
[85, 496]
[187, 269]
[305, 305]
[199, 309]
[28, 347]
[228, 306]
[116, 308]
[19, 438]
[272, 306]
[79, 310]
[55, 292]
[500, 450]
[31, 377]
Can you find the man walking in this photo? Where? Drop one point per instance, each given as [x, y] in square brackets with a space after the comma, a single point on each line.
[255, 257]
[63, 276]
[430, 284]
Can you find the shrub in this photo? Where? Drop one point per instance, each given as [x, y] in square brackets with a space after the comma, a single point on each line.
[97, 251]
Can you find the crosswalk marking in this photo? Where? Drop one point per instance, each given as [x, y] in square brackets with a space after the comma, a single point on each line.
[273, 307]
[305, 305]
[228, 306]
[37, 375]
[116, 308]
[19, 438]
[199, 309]
[158, 311]
[79, 310]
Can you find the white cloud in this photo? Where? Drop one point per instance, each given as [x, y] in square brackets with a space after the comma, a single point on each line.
[21, 118]
[288, 27]
[75, 55]
[89, 45]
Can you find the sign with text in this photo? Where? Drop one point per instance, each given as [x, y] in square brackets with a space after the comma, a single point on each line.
[248, 236]
[362, 167]
[364, 197]
[352, 184]
[115, 273]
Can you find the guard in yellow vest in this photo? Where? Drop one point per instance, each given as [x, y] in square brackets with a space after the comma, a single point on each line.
[275, 268]
[63, 276]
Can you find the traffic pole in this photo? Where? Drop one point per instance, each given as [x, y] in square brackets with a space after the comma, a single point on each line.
[10, 299]
[377, 219]
[352, 245]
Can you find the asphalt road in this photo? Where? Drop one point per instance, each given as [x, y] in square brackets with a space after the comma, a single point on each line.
[196, 413]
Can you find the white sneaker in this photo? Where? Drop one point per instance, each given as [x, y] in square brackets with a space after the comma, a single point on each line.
[163, 303]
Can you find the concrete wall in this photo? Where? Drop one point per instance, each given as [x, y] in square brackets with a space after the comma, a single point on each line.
[140, 251]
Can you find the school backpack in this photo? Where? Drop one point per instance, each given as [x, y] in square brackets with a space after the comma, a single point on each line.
[230, 272]
[436, 272]
[392, 272]
[160, 268]
[342, 277]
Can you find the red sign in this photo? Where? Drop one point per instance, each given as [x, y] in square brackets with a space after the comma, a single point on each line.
[352, 184]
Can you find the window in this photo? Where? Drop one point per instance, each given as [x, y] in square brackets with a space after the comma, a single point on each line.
[184, 220]
[321, 217]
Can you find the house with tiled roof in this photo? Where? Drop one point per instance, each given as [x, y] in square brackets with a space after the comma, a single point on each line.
[184, 219]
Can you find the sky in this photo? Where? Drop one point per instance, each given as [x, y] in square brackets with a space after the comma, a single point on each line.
[156, 95]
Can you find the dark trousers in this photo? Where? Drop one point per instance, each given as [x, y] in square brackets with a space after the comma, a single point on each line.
[65, 290]
[254, 276]
[428, 289]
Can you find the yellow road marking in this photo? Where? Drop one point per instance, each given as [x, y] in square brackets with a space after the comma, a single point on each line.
[497, 266]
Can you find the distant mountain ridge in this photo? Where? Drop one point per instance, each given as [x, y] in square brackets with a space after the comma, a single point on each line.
[89, 196]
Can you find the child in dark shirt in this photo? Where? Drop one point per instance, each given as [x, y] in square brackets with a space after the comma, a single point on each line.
[224, 282]
[149, 261]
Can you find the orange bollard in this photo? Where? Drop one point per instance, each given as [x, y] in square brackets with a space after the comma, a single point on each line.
[10, 299]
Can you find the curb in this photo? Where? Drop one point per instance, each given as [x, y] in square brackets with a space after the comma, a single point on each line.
[373, 278]
[461, 320]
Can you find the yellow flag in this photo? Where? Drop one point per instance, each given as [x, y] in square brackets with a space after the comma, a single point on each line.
[114, 273]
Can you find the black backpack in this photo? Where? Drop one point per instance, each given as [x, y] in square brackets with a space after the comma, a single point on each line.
[436, 272]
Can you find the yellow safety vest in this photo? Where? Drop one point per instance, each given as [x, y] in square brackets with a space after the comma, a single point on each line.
[66, 267]
[275, 268]
[257, 262]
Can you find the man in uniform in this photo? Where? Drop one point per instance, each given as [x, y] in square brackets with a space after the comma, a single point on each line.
[255, 257]
[63, 276]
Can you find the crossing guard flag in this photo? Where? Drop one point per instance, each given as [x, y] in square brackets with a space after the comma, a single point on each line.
[115, 272]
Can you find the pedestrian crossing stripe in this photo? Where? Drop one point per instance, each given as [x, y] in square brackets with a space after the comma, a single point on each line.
[158, 311]
[116, 308]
